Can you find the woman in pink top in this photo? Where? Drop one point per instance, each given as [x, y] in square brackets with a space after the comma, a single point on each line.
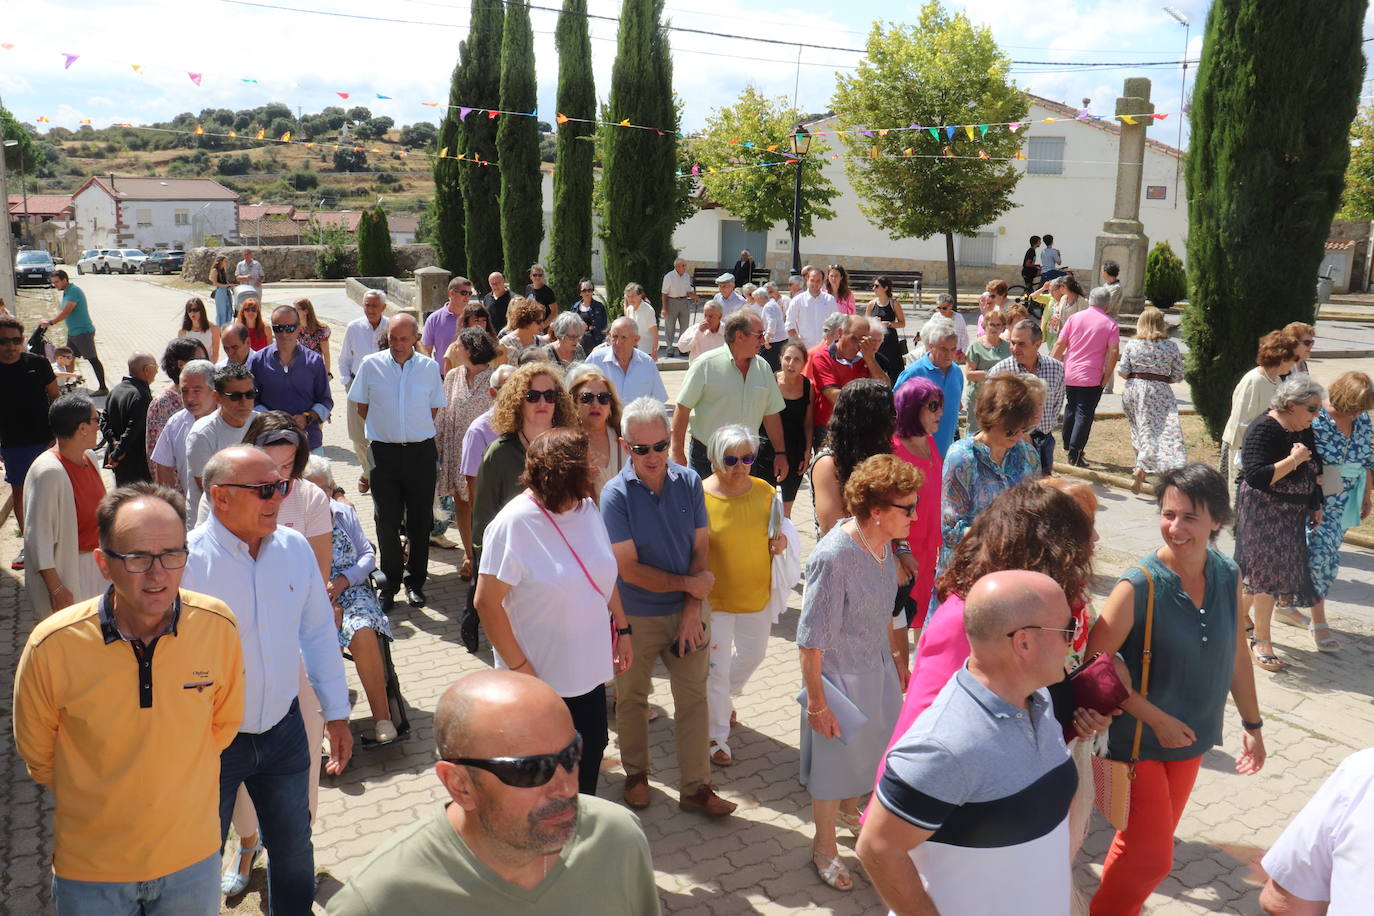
[837, 284]
[920, 403]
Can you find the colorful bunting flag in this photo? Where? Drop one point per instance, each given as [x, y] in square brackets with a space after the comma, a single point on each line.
[626, 123]
[968, 129]
[733, 140]
[949, 133]
[195, 77]
[948, 152]
[199, 130]
[262, 134]
[285, 138]
[380, 96]
[983, 154]
[233, 133]
[867, 133]
[934, 133]
[491, 114]
[882, 133]
[430, 104]
[773, 148]
[562, 118]
[7, 46]
[85, 121]
[342, 95]
[696, 169]
[70, 59]
[137, 68]
[1128, 119]
[463, 113]
[1159, 117]
[43, 120]
[1014, 126]
[1019, 155]
[1082, 115]
[247, 80]
[982, 130]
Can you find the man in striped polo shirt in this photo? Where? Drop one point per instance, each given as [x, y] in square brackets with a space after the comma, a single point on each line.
[972, 813]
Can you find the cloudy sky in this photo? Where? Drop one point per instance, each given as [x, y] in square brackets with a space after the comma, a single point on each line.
[302, 58]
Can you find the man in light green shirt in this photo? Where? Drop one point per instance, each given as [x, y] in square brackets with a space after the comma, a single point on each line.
[730, 384]
[516, 838]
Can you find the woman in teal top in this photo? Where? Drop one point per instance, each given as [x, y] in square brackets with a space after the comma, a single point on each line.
[1198, 655]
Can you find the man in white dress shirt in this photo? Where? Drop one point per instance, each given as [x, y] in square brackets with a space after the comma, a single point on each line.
[809, 309]
[398, 391]
[633, 372]
[363, 337]
[268, 577]
[679, 295]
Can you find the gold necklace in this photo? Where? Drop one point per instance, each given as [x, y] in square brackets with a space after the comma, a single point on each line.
[880, 559]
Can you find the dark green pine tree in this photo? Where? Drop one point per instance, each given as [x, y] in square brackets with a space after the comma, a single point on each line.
[570, 240]
[1265, 171]
[375, 257]
[639, 166]
[517, 149]
[482, 183]
[449, 214]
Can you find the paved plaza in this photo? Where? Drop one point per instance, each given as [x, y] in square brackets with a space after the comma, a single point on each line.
[1317, 712]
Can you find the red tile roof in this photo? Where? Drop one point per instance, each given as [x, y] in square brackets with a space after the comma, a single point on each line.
[122, 188]
[40, 204]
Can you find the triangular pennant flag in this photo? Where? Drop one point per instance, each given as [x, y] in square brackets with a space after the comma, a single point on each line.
[1128, 119]
[872, 152]
[1082, 115]
[492, 113]
[1048, 120]
[1159, 117]
[948, 152]
[195, 78]
[1014, 126]
[867, 133]
[463, 113]
[772, 148]
[199, 130]
[883, 132]
[380, 96]
[1019, 155]
[982, 130]
[625, 123]
[907, 151]
[443, 153]
[137, 68]
[983, 154]
[8, 46]
[70, 59]
[342, 95]
[696, 169]
[678, 173]
[375, 149]
[839, 133]
[285, 138]
[733, 140]
[247, 80]
[233, 133]
[562, 118]
[968, 129]
[659, 132]
[712, 171]
[934, 133]
[262, 134]
[430, 104]
[88, 121]
[916, 127]
[43, 120]
[949, 132]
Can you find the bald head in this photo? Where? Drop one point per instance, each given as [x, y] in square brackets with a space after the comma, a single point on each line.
[139, 361]
[495, 713]
[1002, 602]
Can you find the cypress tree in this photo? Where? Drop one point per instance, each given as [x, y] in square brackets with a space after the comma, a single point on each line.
[375, 257]
[517, 147]
[449, 214]
[639, 166]
[482, 183]
[570, 241]
[1265, 172]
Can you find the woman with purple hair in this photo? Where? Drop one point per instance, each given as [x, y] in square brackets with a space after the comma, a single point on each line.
[920, 404]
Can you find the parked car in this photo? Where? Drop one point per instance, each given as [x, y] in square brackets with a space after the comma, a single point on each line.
[126, 260]
[33, 267]
[95, 260]
[163, 261]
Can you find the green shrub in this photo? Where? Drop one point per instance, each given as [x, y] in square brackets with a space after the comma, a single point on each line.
[1166, 281]
[332, 262]
[375, 257]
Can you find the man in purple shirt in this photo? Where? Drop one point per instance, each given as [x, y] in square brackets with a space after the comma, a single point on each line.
[441, 327]
[292, 378]
[1089, 345]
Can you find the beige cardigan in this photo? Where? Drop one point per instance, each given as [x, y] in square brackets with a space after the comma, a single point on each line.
[50, 535]
[1252, 397]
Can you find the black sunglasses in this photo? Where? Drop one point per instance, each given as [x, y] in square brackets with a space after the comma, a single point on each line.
[600, 397]
[526, 772]
[1068, 631]
[237, 396]
[910, 510]
[284, 328]
[642, 450]
[550, 395]
[265, 490]
[465, 292]
[11, 341]
[731, 460]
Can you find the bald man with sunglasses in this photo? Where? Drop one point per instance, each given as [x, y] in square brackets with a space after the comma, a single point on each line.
[514, 836]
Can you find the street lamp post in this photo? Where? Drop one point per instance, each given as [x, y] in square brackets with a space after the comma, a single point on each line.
[801, 145]
[1182, 20]
[7, 287]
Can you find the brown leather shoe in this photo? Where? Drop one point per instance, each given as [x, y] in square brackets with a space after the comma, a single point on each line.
[705, 801]
[637, 790]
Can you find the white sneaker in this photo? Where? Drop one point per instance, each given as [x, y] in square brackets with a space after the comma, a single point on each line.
[386, 732]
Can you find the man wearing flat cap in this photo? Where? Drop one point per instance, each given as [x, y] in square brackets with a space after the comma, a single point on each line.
[728, 299]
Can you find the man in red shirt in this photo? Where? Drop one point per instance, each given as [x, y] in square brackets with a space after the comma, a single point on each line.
[853, 355]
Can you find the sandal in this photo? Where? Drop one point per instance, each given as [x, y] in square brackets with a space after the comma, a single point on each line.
[1327, 643]
[233, 881]
[720, 756]
[832, 871]
[1266, 660]
[853, 821]
[1290, 615]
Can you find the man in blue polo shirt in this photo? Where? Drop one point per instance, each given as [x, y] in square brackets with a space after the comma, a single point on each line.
[942, 344]
[980, 785]
[655, 513]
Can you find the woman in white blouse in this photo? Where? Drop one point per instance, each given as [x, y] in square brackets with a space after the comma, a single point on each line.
[638, 308]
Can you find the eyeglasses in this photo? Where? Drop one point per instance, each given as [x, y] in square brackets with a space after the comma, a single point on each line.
[249, 308]
[1068, 631]
[944, 308]
[1307, 343]
[587, 290]
[550, 395]
[731, 460]
[600, 397]
[642, 450]
[908, 510]
[935, 406]
[536, 275]
[11, 341]
[526, 772]
[464, 292]
[237, 396]
[284, 328]
[142, 562]
[265, 490]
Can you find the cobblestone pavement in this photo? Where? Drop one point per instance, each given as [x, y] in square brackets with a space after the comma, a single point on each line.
[1317, 712]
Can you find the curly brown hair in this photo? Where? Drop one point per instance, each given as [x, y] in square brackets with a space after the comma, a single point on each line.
[1007, 402]
[523, 312]
[506, 415]
[558, 470]
[877, 481]
[1029, 526]
[1276, 347]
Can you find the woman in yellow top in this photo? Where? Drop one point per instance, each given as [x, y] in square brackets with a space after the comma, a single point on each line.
[738, 508]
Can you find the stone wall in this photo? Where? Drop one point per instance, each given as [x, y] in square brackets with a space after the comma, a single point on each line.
[400, 294]
[295, 262]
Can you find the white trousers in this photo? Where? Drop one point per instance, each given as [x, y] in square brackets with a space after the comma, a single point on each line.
[738, 644]
[357, 435]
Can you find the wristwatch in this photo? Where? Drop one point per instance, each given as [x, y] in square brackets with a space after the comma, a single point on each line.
[625, 630]
[1252, 726]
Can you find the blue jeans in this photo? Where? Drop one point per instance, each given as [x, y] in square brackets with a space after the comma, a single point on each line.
[192, 891]
[1046, 450]
[275, 767]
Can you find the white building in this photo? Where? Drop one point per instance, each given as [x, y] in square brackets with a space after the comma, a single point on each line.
[1069, 190]
[115, 212]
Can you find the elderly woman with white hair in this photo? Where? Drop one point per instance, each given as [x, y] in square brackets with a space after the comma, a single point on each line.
[739, 508]
[646, 320]
[1279, 497]
[945, 308]
[941, 339]
[567, 331]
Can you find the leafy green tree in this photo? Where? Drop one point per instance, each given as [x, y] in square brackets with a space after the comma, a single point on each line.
[1358, 200]
[1265, 172]
[375, 257]
[941, 70]
[482, 183]
[517, 148]
[641, 195]
[358, 114]
[447, 212]
[1166, 280]
[350, 159]
[570, 241]
[762, 195]
[25, 155]
[418, 135]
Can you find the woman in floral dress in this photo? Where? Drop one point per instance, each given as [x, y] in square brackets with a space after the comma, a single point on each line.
[468, 392]
[1150, 364]
[1343, 433]
[314, 334]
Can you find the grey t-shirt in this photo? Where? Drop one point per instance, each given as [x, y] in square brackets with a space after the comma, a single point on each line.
[605, 870]
[208, 435]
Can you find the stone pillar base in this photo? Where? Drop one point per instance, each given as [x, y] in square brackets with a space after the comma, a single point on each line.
[1128, 249]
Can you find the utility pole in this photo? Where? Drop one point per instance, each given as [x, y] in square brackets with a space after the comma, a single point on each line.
[7, 290]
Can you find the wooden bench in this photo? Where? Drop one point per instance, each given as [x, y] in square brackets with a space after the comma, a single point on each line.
[903, 281]
[705, 277]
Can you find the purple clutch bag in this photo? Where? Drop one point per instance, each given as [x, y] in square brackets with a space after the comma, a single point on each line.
[1096, 686]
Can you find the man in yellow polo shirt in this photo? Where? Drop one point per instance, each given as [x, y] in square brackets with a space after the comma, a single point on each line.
[122, 705]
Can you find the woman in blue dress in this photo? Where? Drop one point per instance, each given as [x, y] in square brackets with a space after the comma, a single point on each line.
[1343, 433]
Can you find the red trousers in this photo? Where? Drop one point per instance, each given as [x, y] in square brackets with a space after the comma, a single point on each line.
[1142, 855]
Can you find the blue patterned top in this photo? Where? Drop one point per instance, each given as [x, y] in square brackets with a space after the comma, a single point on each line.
[972, 480]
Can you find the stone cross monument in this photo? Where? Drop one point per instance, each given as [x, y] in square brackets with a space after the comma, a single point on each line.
[1123, 236]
